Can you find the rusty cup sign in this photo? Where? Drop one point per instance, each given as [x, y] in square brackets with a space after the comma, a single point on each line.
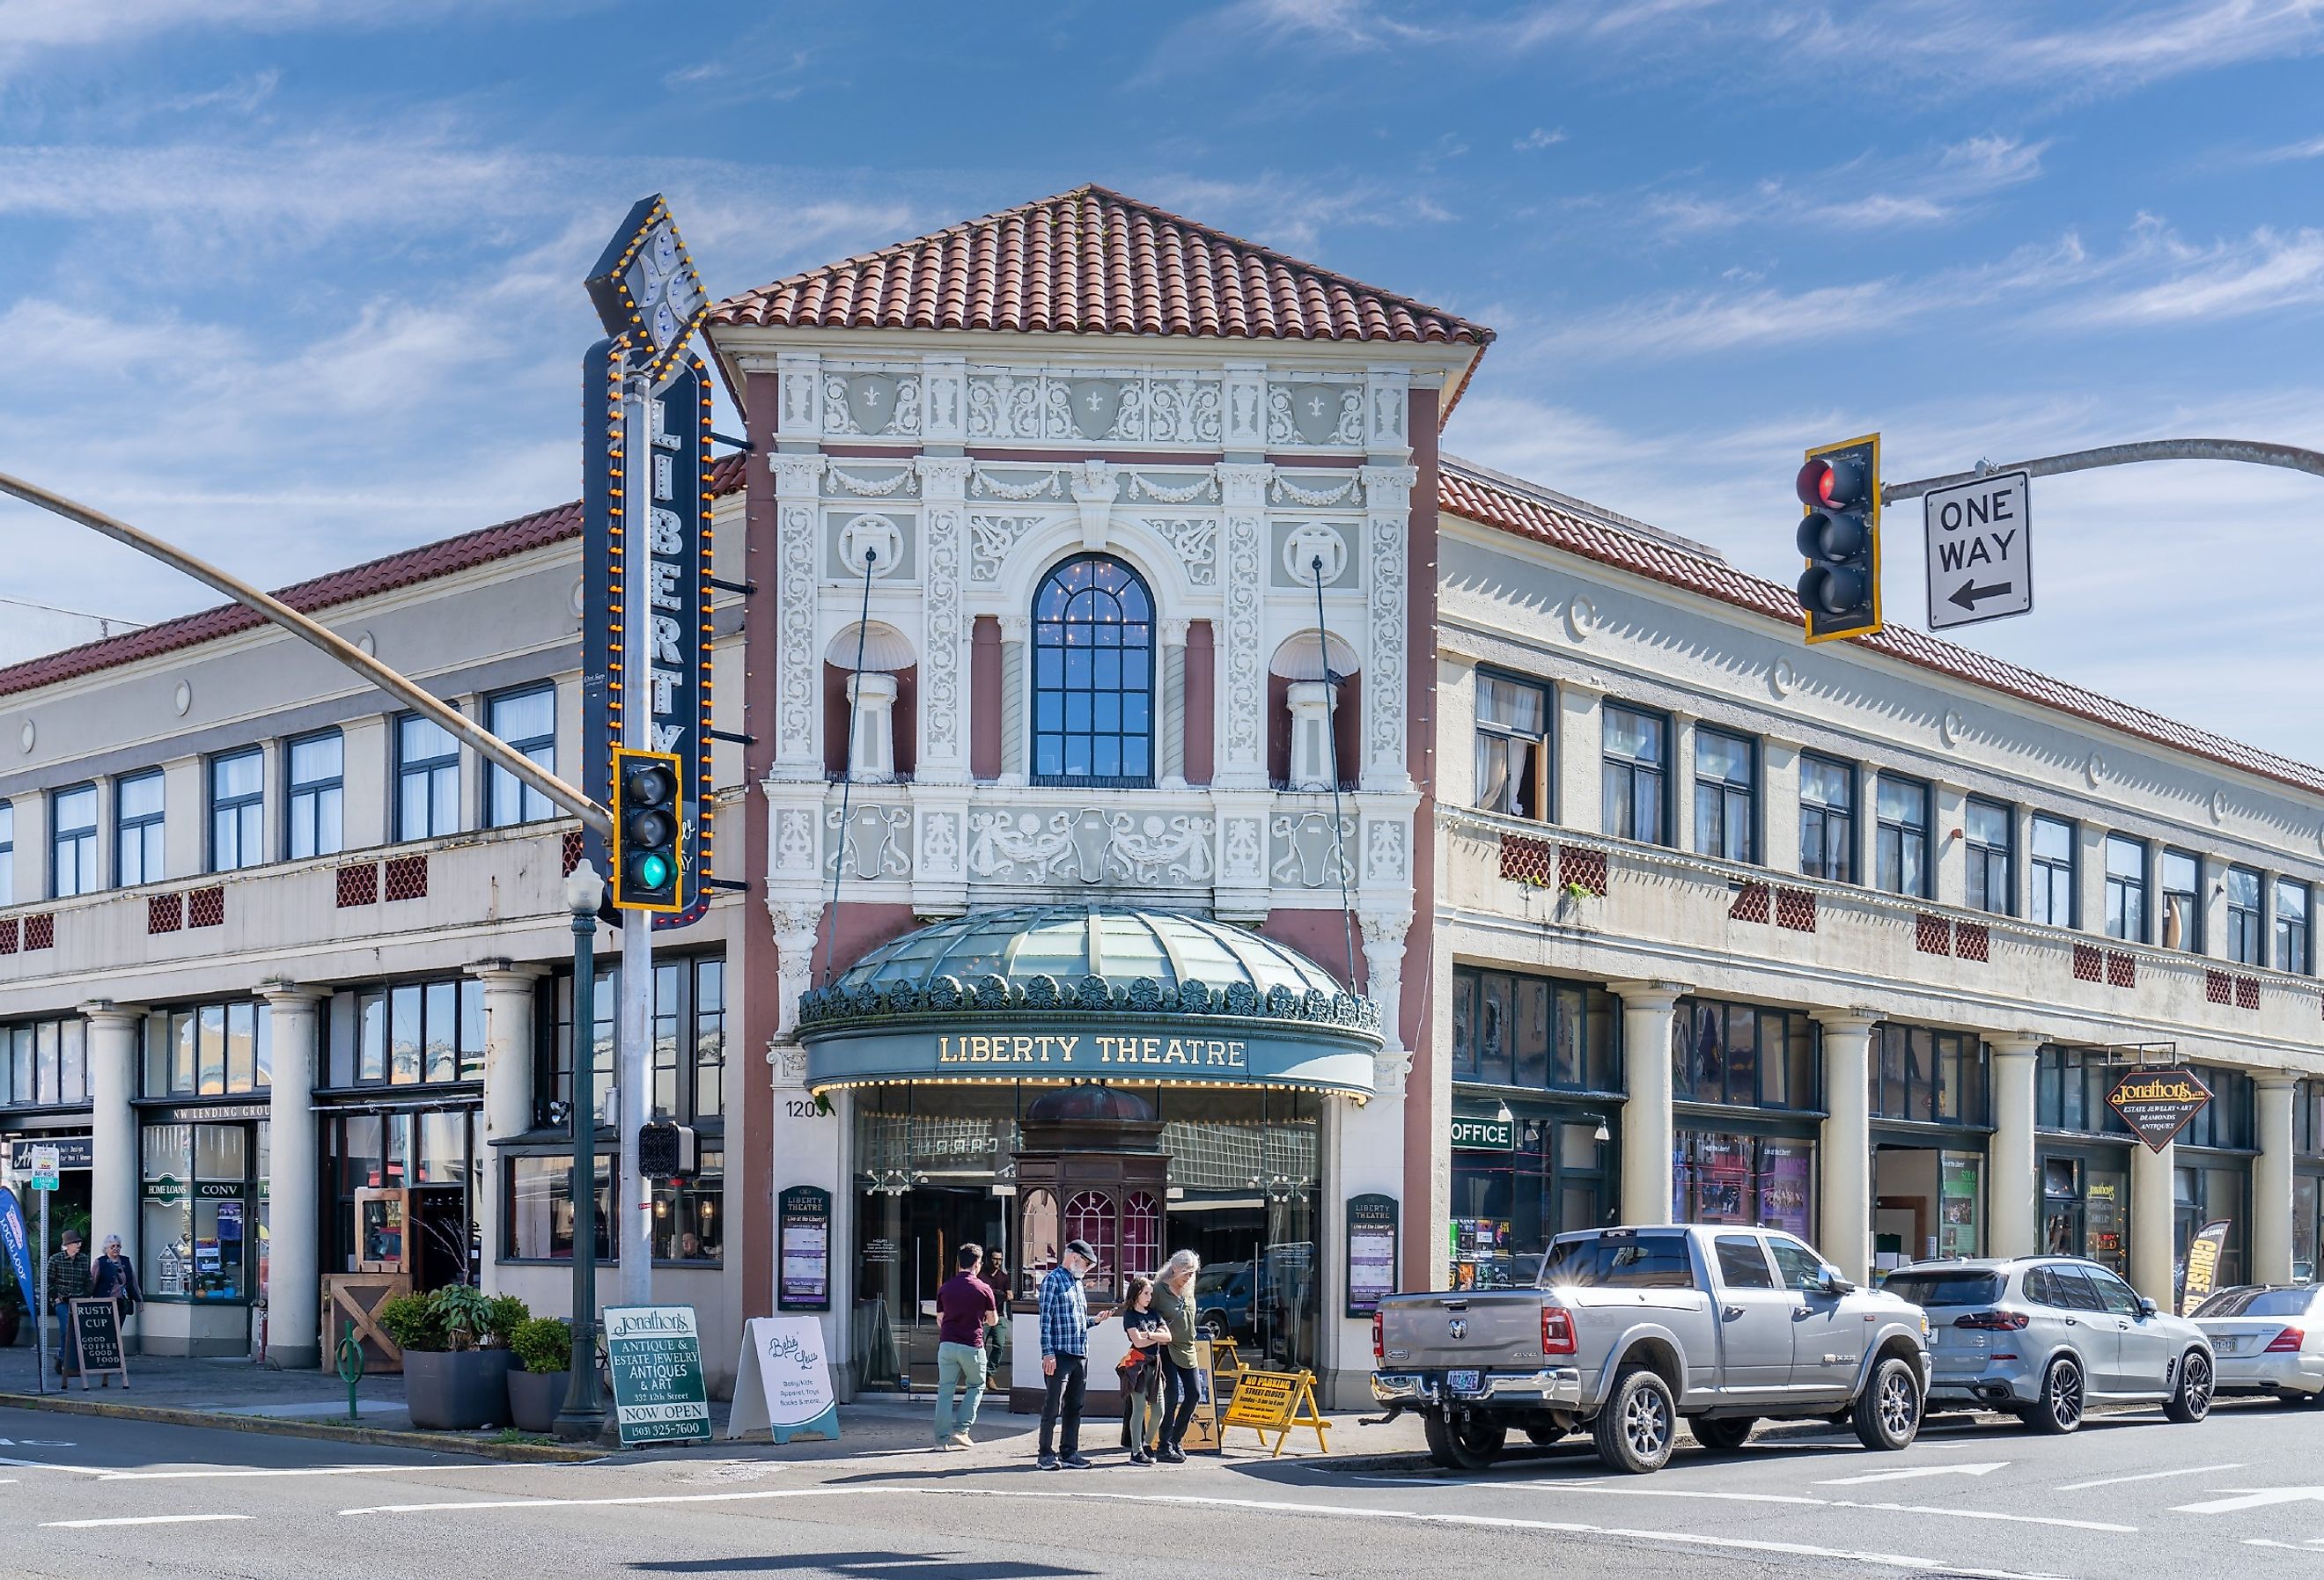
[2156, 1101]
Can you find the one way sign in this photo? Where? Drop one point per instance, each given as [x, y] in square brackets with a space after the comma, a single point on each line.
[1980, 551]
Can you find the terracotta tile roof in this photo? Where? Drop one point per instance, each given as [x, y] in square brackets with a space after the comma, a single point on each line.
[1492, 500]
[425, 563]
[1092, 261]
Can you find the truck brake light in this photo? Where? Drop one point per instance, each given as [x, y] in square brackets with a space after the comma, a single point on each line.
[1993, 1321]
[1557, 1331]
[1380, 1351]
[2286, 1342]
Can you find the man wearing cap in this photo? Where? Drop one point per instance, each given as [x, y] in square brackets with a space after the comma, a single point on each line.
[68, 1279]
[1066, 1322]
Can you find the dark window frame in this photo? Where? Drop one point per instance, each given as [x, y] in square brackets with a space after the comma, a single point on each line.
[1985, 857]
[125, 827]
[2291, 942]
[553, 1030]
[426, 994]
[2191, 937]
[2248, 925]
[1633, 768]
[2040, 871]
[252, 851]
[7, 852]
[36, 1055]
[425, 768]
[2121, 887]
[1925, 1064]
[1825, 817]
[1728, 793]
[1693, 1082]
[532, 806]
[1545, 744]
[1883, 827]
[78, 836]
[1052, 634]
[1479, 990]
[303, 798]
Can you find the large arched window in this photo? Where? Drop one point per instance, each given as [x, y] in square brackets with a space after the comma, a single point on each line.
[1092, 674]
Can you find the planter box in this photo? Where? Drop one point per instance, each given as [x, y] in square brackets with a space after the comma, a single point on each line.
[534, 1397]
[456, 1391]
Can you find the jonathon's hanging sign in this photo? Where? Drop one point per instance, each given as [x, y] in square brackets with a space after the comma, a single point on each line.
[2156, 1101]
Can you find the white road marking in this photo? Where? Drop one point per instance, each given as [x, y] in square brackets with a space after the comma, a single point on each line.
[2240, 1500]
[596, 1502]
[140, 1520]
[1915, 1473]
[2151, 1476]
[1992, 1514]
[1830, 1504]
[44, 1465]
[197, 1475]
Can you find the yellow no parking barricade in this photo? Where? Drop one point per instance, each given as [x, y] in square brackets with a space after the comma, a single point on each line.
[1277, 1402]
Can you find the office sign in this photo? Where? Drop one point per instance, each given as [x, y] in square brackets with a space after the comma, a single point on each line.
[803, 1282]
[1372, 1252]
[651, 519]
[1981, 549]
[782, 1384]
[655, 1355]
[2157, 1102]
[1484, 1135]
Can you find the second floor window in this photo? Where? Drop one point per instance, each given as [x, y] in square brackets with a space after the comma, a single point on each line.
[1635, 761]
[2291, 926]
[1741, 1056]
[137, 830]
[72, 842]
[1514, 1031]
[1904, 836]
[1986, 829]
[2126, 889]
[1092, 674]
[237, 810]
[1827, 819]
[209, 1050]
[7, 853]
[526, 720]
[318, 782]
[1512, 747]
[2182, 901]
[408, 1033]
[2247, 944]
[427, 779]
[1725, 795]
[2050, 875]
[44, 1063]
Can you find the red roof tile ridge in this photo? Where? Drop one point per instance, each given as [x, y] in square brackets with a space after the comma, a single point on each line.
[1529, 509]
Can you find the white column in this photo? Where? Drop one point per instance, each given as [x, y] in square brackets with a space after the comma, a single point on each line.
[1646, 1126]
[508, 1094]
[1844, 1233]
[1015, 703]
[2271, 1237]
[114, 1164]
[871, 697]
[293, 1316]
[2153, 1222]
[1172, 757]
[1311, 734]
[2013, 1181]
[1384, 934]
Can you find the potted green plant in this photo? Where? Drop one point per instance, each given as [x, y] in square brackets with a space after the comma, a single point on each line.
[454, 1378]
[543, 1348]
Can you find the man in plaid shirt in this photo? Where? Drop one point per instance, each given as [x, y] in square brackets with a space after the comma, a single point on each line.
[1066, 1322]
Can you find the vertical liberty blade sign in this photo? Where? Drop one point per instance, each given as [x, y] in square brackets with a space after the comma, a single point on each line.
[651, 520]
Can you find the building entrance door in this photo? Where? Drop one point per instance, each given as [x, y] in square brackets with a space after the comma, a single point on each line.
[1927, 1201]
[906, 1246]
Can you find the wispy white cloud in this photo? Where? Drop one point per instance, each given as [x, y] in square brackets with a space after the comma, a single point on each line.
[1864, 192]
[1539, 137]
[31, 28]
[1288, 212]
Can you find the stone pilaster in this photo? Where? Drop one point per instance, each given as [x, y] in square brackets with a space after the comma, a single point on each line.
[1844, 1227]
[798, 679]
[294, 1226]
[1648, 1009]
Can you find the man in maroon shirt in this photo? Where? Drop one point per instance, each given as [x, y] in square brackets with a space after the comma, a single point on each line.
[965, 1307]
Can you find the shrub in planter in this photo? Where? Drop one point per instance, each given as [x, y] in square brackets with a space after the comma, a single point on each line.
[503, 1314]
[543, 1347]
[449, 1383]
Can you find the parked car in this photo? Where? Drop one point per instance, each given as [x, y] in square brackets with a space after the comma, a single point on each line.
[1222, 1302]
[2267, 1338]
[2042, 1337]
[1630, 1331]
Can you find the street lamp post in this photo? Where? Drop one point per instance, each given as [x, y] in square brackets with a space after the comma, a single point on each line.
[583, 1417]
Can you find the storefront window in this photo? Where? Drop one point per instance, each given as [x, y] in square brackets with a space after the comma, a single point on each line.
[2213, 1191]
[689, 1043]
[2304, 1196]
[1742, 1056]
[2070, 1091]
[1720, 1176]
[1510, 1200]
[197, 1224]
[541, 1207]
[2225, 1120]
[44, 1063]
[1928, 1076]
[1512, 1030]
[687, 1224]
[409, 1033]
[209, 1050]
[1959, 1230]
[2085, 1210]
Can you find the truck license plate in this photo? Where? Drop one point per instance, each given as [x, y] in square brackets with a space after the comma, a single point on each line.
[1464, 1381]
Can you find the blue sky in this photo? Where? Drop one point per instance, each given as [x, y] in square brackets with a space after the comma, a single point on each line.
[296, 281]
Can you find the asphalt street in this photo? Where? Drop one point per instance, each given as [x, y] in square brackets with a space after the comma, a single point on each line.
[2241, 1494]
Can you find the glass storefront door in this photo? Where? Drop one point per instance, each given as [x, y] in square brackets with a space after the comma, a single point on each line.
[2086, 1206]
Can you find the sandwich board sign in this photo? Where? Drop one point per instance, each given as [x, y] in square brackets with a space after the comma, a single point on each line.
[782, 1384]
[655, 1355]
[1980, 548]
[97, 1341]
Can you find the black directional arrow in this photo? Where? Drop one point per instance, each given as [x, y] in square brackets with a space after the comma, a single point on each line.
[1969, 593]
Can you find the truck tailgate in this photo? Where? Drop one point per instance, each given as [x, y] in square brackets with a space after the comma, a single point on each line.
[1483, 1329]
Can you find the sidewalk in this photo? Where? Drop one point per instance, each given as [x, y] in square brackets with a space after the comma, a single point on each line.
[236, 1394]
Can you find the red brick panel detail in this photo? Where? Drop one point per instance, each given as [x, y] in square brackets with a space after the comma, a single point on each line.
[1796, 908]
[2247, 992]
[1932, 935]
[1525, 860]
[1585, 867]
[9, 935]
[2089, 963]
[164, 913]
[39, 933]
[573, 845]
[2218, 987]
[2122, 970]
[358, 885]
[206, 908]
[407, 877]
[1751, 904]
[1972, 940]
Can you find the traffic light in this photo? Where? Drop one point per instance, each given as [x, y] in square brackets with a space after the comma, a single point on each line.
[647, 830]
[1839, 538]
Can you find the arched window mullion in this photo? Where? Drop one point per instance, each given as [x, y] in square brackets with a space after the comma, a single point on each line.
[1092, 689]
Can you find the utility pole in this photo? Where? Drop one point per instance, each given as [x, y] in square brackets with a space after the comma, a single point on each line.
[633, 1028]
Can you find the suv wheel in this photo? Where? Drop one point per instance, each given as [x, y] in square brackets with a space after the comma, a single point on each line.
[2059, 1410]
[1468, 1445]
[2191, 1400]
[1889, 1415]
[1723, 1434]
[1635, 1430]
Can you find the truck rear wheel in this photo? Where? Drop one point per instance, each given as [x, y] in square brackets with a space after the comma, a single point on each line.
[1466, 1445]
[1634, 1432]
[1889, 1415]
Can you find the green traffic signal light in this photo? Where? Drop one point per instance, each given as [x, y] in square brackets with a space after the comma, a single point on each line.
[652, 872]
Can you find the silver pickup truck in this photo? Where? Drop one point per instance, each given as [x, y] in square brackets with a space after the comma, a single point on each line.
[1629, 1331]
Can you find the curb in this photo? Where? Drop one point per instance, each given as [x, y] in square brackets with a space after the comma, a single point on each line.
[375, 1436]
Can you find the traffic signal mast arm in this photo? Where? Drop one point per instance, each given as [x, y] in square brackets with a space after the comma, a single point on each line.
[2250, 452]
[594, 818]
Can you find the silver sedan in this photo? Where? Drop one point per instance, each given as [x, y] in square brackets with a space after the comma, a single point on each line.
[2268, 1339]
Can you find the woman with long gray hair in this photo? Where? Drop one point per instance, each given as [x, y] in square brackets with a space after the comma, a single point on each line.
[1174, 1301]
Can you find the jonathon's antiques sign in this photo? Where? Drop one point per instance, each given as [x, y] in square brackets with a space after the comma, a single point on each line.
[2156, 1101]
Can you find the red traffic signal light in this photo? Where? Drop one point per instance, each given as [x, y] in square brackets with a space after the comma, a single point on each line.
[1839, 536]
[1832, 482]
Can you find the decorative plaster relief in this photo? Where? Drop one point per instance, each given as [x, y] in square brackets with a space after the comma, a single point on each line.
[876, 843]
[1953, 727]
[1306, 855]
[1348, 491]
[1580, 619]
[1016, 486]
[2095, 769]
[1242, 851]
[1146, 486]
[795, 841]
[990, 538]
[871, 404]
[1022, 403]
[1089, 847]
[184, 700]
[901, 480]
[796, 675]
[27, 735]
[1308, 541]
[877, 540]
[940, 721]
[1384, 853]
[1243, 662]
[1195, 540]
[1783, 677]
[1315, 414]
